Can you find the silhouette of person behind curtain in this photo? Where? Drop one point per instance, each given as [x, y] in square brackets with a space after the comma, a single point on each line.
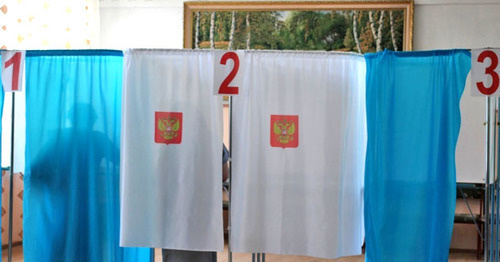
[76, 176]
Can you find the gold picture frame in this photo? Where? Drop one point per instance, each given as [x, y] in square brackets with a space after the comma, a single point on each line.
[358, 26]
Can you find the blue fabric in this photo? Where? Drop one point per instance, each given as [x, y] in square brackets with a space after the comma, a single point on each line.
[71, 199]
[412, 105]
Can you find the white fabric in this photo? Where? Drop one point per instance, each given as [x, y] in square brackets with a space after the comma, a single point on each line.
[305, 200]
[171, 194]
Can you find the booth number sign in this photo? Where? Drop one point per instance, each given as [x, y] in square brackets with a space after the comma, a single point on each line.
[485, 72]
[12, 70]
[227, 74]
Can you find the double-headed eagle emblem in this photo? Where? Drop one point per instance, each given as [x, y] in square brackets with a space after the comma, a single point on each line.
[168, 127]
[284, 131]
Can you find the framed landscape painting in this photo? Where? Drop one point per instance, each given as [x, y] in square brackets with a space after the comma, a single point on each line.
[352, 26]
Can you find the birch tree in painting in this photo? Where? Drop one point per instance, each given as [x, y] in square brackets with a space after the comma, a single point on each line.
[231, 33]
[378, 39]
[391, 18]
[377, 33]
[249, 34]
[355, 30]
[212, 29]
[197, 31]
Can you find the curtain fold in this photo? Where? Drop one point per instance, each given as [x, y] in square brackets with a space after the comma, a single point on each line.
[298, 154]
[413, 117]
[171, 151]
[71, 202]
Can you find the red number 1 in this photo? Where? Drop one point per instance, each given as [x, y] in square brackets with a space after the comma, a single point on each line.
[490, 71]
[224, 87]
[15, 61]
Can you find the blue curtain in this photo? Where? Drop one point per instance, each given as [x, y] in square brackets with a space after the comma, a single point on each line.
[71, 201]
[412, 104]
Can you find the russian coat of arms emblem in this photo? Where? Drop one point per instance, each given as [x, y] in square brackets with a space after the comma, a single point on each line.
[168, 127]
[284, 131]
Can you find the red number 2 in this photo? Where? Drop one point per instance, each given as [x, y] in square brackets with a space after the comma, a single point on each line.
[15, 61]
[490, 71]
[224, 87]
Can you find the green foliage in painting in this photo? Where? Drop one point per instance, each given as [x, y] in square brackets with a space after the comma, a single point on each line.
[301, 30]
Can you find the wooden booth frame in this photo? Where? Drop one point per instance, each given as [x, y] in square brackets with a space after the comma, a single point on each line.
[369, 27]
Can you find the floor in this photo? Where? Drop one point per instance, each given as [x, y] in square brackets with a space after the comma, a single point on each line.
[462, 256]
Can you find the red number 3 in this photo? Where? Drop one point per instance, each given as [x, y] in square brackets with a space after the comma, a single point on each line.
[224, 87]
[15, 61]
[490, 71]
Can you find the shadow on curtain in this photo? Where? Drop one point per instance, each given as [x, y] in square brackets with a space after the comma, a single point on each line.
[71, 205]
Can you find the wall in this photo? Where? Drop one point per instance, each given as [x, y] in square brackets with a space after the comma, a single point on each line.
[438, 24]
[141, 24]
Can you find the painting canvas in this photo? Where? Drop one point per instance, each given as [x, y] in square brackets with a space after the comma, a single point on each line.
[332, 26]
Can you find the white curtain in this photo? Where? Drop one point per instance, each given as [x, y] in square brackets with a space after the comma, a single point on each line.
[49, 24]
[171, 162]
[298, 178]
